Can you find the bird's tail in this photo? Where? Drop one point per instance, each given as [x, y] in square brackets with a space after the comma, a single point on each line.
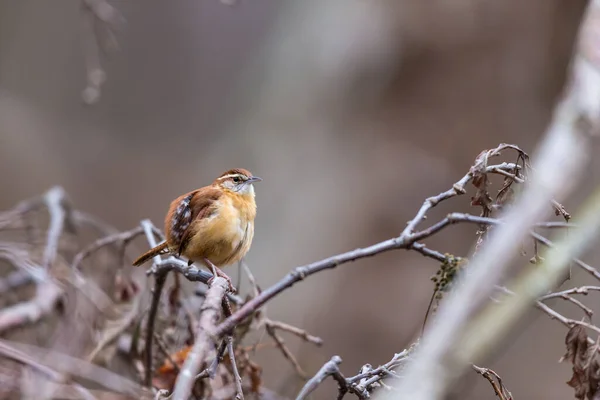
[153, 252]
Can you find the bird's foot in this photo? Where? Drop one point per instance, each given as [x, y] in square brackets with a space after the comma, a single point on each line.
[217, 272]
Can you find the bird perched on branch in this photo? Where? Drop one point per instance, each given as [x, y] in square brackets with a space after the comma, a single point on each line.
[213, 225]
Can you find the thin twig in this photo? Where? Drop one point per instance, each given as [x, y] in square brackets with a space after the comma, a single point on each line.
[460, 217]
[284, 349]
[301, 333]
[230, 350]
[236, 374]
[55, 200]
[211, 370]
[499, 388]
[588, 311]
[457, 189]
[121, 237]
[584, 290]
[330, 368]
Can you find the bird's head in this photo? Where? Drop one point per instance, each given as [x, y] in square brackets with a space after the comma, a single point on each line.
[238, 181]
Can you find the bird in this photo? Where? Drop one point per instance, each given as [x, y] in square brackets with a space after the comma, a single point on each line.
[212, 225]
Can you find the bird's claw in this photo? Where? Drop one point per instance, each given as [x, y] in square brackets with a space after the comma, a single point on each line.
[223, 275]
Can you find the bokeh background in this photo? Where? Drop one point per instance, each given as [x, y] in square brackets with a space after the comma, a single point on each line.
[352, 111]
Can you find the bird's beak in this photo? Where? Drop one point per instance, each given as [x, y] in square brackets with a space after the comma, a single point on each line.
[254, 179]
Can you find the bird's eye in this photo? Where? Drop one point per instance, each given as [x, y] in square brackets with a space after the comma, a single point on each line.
[236, 179]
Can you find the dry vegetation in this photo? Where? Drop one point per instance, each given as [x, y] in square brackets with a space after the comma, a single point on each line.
[77, 321]
[110, 316]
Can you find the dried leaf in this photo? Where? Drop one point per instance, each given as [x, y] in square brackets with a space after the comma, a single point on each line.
[255, 377]
[577, 344]
[586, 369]
[178, 358]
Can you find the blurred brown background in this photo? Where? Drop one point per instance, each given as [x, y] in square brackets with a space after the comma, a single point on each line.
[352, 111]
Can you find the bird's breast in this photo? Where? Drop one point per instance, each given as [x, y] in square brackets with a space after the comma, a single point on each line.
[225, 237]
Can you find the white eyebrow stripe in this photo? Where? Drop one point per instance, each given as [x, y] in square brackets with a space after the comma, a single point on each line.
[231, 176]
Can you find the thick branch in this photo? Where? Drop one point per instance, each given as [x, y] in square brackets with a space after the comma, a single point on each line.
[204, 342]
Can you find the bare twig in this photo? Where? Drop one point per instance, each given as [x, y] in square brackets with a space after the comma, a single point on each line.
[584, 290]
[301, 333]
[285, 351]
[588, 311]
[497, 385]
[330, 368]
[15, 280]
[47, 294]
[251, 278]
[204, 342]
[360, 384]
[121, 237]
[460, 217]
[560, 210]
[236, 374]
[55, 200]
[211, 370]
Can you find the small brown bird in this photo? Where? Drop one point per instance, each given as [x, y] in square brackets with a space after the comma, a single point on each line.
[213, 225]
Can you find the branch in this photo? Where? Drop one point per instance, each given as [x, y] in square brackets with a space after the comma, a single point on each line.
[55, 201]
[404, 241]
[301, 333]
[499, 388]
[584, 290]
[330, 368]
[47, 294]
[121, 237]
[284, 349]
[15, 280]
[359, 384]
[236, 374]
[210, 313]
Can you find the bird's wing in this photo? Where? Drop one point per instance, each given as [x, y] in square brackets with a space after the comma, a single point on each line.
[188, 208]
